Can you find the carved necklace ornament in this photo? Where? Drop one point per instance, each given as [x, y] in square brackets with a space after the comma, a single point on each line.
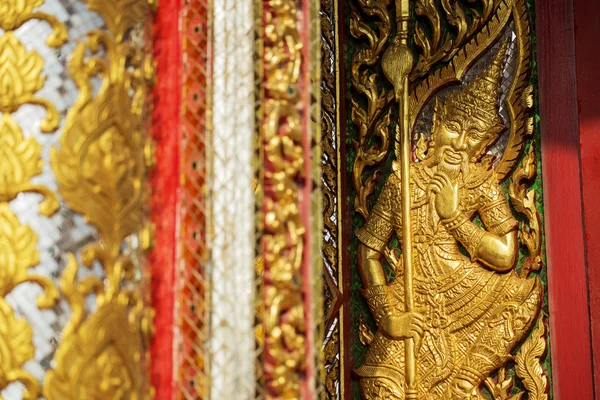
[449, 323]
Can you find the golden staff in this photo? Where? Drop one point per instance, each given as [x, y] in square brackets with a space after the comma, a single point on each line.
[397, 63]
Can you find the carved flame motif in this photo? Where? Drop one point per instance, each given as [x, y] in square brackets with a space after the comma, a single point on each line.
[101, 167]
[524, 201]
[20, 79]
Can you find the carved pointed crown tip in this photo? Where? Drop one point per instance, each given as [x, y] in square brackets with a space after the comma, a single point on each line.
[493, 73]
[480, 97]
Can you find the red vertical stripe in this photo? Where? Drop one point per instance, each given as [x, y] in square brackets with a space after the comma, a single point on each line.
[165, 190]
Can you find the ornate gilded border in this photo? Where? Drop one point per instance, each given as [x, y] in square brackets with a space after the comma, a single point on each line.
[331, 200]
[102, 168]
[288, 309]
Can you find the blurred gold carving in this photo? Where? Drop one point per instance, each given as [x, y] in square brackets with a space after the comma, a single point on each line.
[20, 161]
[102, 167]
[18, 253]
[20, 77]
[459, 315]
[283, 241]
[14, 13]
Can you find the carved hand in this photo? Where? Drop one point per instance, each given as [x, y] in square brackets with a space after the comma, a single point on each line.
[403, 326]
[446, 199]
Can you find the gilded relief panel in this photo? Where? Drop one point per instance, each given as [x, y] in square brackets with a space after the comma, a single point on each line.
[441, 132]
[45, 233]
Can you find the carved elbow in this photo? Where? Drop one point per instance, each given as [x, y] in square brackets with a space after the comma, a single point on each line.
[508, 255]
[508, 260]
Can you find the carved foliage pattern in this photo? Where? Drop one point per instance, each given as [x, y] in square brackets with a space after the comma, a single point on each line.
[20, 79]
[102, 166]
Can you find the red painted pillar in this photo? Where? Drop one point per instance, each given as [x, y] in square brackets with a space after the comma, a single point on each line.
[165, 191]
[567, 277]
[587, 51]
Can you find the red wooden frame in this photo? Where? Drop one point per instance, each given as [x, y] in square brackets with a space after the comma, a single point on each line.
[165, 191]
[587, 44]
[568, 292]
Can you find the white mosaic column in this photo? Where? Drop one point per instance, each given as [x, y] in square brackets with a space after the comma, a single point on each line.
[231, 267]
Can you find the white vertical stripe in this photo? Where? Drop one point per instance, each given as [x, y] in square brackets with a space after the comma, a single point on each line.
[231, 268]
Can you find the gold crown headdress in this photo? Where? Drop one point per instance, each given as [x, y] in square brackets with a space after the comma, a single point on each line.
[480, 97]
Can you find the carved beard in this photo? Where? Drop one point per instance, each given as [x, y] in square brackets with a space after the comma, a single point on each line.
[452, 171]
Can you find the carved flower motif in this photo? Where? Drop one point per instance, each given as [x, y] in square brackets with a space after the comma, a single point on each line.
[14, 11]
[15, 337]
[100, 360]
[16, 348]
[19, 159]
[17, 250]
[20, 73]
[100, 166]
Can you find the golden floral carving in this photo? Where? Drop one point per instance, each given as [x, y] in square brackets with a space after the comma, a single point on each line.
[18, 254]
[102, 166]
[14, 13]
[20, 161]
[283, 241]
[16, 349]
[20, 79]
[529, 367]
[99, 356]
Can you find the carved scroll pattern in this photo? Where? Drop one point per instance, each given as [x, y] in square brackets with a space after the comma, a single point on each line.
[330, 145]
[102, 166]
[370, 151]
[20, 161]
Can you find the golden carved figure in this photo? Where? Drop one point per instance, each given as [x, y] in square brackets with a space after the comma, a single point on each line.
[470, 307]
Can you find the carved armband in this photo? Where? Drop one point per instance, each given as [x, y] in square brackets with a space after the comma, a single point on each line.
[378, 301]
[498, 218]
[465, 231]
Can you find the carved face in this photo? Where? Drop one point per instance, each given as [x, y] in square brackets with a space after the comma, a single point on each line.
[460, 138]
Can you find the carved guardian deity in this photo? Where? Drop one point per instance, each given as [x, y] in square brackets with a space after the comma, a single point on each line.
[470, 306]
